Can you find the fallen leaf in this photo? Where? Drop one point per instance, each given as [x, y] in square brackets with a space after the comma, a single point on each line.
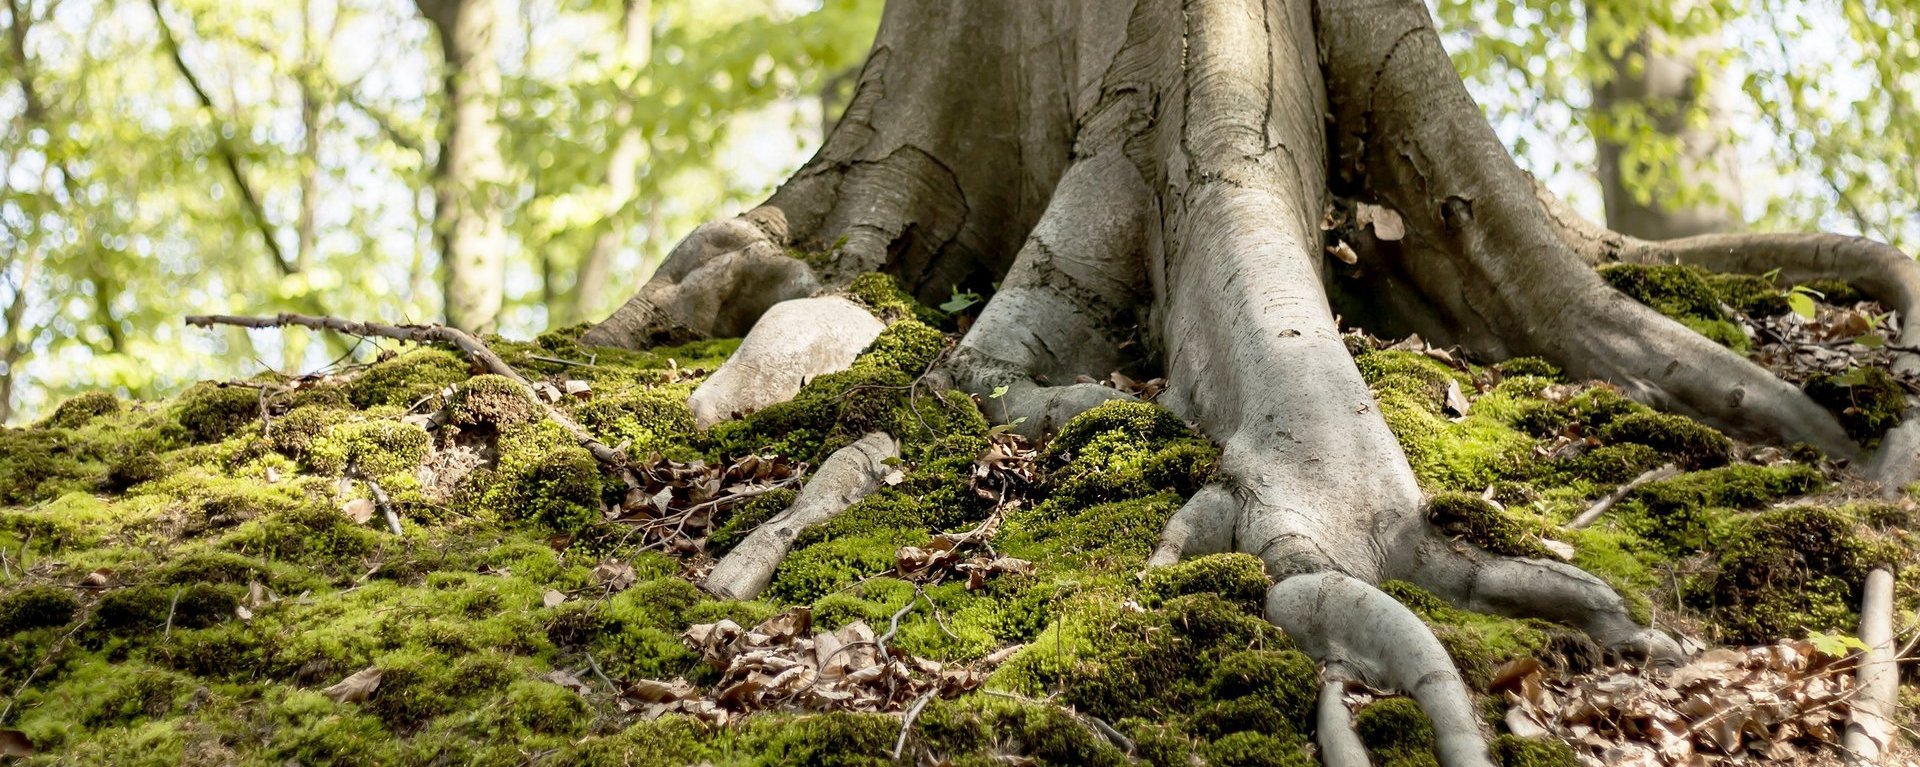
[1457, 401]
[614, 574]
[552, 598]
[360, 510]
[355, 688]
[98, 579]
[579, 389]
[568, 681]
[15, 743]
[1341, 250]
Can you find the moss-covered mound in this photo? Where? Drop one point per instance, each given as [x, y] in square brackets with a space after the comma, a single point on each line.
[188, 581]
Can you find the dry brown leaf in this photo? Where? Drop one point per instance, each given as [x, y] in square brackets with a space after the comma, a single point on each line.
[552, 598]
[98, 580]
[360, 510]
[1387, 224]
[1341, 250]
[568, 681]
[355, 688]
[613, 574]
[15, 743]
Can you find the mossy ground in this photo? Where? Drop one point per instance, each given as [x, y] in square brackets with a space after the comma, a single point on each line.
[239, 588]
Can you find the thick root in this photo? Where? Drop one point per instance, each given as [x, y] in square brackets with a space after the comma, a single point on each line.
[850, 474]
[1340, 746]
[715, 283]
[793, 342]
[1203, 526]
[1065, 308]
[1360, 633]
[1517, 587]
[1870, 725]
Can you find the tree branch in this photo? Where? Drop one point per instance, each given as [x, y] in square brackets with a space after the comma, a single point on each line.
[1600, 507]
[221, 145]
[474, 349]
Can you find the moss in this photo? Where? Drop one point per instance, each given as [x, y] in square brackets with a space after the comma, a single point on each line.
[1682, 439]
[1397, 733]
[1585, 413]
[829, 740]
[881, 295]
[1788, 571]
[36, 607]
[1510, 750]
[1237, 578]
[1676, 515]
[1468, 517]
[308, 535]
[745, 518]
[1868, 401]
[1471, 452]
[978, 726]
[492, 401]
[1752, 295]
[1258, 749]
[1610, 464]
[1530, 366]
[295, 431]
[1672, 290]
[1478, 643]
[76, 412]
[647, 420]
[210, 412]
[373, 448]
[145, 609]
[406, 378]
[1272, 691]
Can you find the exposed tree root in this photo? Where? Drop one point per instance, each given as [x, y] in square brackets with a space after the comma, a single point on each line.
[716, 282]
[1361, 633]
[790, 344]
[1340, 746]
[474, 349]
[850, 474]
[1870, 726]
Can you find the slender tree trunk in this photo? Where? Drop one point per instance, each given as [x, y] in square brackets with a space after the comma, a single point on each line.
[1663, 79]
[467, 181]
[623, 167]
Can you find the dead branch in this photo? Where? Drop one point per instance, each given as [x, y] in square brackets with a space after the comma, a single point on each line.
[1601, 506]
[474, 349]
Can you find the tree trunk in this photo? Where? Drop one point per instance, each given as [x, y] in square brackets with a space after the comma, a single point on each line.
[1145, 182]
[1662, 79]
[623, 167]
[467, 221]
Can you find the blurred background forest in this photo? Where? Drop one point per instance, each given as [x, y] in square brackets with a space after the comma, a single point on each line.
[522, 165]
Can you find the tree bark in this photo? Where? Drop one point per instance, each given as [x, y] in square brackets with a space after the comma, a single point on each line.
[623, 166]
[467, 179]
[1663, 78]
[1144, 182]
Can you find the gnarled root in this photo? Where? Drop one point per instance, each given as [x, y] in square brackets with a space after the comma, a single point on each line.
[1361, 633]
[716, 282]
[1065, 307]
[1519, 587]
[790, 344]
[850, 474]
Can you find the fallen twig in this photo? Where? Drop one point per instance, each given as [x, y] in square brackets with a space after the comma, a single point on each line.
[906, 724]
[1877, 681]
[386, 507]
[469, 345]
[1600, 507]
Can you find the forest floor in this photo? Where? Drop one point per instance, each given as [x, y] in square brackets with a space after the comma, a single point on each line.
[406, 563]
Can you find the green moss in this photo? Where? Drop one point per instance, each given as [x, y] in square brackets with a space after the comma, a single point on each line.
[211, 412]
[1530, 366]
[978, 726]
[1272, 691]
[1752, 295]
[829, 740]
[309, 535]
[492, 401]
[1237, 578]
[1258, 749]
[1468, 517]
[76, 412]
[1788, 571]
[1397, 733]
[1868, 401]
[294, 432]
[1673, 290]
[1677, 515]
[1585, 413]
[881, 295]
[144, 610]
[1514, 751]
[647, 420]
[1610, 464]
[372, 448]
[406, 378]
[1682, 439]
[35, 607]
[1445, 454]
[745, 518]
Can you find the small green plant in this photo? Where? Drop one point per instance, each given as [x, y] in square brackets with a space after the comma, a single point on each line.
[960, 302]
